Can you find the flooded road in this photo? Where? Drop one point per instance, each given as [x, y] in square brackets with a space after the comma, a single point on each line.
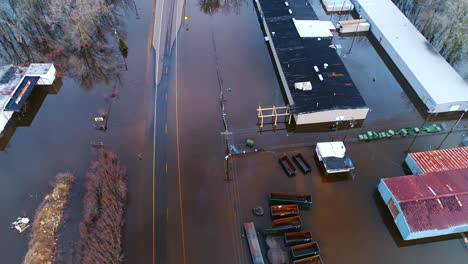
[219, 49]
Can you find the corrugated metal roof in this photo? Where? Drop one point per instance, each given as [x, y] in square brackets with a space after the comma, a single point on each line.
[432, 201]
[440, 160]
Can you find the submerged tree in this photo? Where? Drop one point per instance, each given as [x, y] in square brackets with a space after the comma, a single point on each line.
[73, 33]
[103, 210]
[210, 7]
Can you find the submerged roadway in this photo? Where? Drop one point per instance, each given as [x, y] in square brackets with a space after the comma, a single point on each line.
[196, 212]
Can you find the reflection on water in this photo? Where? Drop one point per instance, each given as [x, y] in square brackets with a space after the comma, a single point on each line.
[79, 36]
[211, 7]
[25, 117]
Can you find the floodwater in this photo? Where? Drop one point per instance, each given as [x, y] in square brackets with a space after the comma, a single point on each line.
[57, 138]
[348, 218]
[200, 209]
[181, 207]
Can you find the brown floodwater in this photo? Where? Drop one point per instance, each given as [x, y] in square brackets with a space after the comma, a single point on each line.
[198, 214]
[55, 136]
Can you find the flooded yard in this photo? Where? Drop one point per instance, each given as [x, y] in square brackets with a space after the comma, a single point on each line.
[57, 131]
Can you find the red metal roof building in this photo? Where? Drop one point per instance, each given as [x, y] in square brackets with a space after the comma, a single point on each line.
[427, 205]
[438, 160]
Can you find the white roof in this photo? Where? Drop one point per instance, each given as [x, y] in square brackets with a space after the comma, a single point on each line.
[431, 70]
[13, 78]
[314, 28]
[38, 68]
[338, 5]
[331, 149]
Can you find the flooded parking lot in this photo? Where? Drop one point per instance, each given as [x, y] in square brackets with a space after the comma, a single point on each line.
[348, 219]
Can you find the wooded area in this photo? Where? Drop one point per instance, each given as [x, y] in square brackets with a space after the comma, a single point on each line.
[71, 33]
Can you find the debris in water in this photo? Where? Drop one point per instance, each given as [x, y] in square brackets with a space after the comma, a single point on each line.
[114, 94]
[21, 224]
[140, 156]
[258, 211]
[249, 143]
[276, 254]
[98, 144]
[99, 119]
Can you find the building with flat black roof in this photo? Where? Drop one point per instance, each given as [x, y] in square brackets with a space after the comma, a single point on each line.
[303, 52]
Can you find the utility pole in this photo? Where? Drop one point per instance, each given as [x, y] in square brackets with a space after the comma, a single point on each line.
[137, 15]
[456, 124]
[354, 37]
[414, 139]
[424, 123]
[331, 13]
[352, 123]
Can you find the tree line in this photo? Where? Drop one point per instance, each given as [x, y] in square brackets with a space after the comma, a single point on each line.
[75, 34]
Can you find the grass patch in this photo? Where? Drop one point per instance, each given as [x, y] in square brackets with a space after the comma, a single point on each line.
[104, 208]
[48, 217]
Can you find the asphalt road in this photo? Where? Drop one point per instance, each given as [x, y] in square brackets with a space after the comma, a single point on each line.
[196, 210]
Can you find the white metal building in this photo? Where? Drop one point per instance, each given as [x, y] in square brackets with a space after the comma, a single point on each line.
[438, 85]
[337, 5]
[16, 83]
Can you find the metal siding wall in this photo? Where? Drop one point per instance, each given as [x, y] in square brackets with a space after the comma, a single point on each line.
[400, 220]
[435, 233]
[330, 116]
[402, 226]
[460, 229]
[412, 165]
[384, 192]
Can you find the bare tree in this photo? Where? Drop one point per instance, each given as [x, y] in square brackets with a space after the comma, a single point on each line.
[72, 33]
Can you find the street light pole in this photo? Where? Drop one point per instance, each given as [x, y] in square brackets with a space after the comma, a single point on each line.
[456, 124]
[415, 136]
[352, 123]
